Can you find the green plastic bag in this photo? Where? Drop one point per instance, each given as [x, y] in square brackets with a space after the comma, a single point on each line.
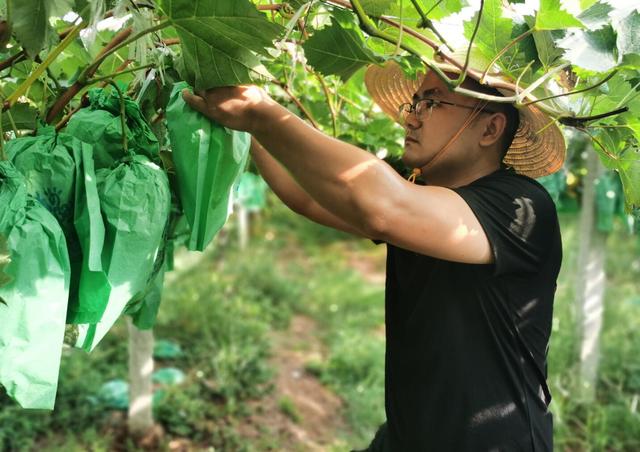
[251, 192]
[135, 202]
[168, 376]
[166, 349]
[208, 159]
[100, 125]
[32, 317]
[58, 169]
[144, 309]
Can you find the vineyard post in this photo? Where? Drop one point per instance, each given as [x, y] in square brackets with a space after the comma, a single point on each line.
[140, 415]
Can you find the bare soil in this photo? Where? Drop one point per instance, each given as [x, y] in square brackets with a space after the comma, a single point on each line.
[301, 412]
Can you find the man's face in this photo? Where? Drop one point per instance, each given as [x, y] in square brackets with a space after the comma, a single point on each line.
[429, 132]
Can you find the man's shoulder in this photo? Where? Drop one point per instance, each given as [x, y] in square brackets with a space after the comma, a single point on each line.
[507, 182]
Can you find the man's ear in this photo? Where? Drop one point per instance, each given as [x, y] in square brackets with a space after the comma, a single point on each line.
[494, 127]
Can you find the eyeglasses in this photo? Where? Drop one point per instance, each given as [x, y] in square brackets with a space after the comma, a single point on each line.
[426, 104]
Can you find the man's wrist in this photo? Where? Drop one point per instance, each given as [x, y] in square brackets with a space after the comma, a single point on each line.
[264, 116]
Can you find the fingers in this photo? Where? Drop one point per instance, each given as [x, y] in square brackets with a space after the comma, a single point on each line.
[196, 102]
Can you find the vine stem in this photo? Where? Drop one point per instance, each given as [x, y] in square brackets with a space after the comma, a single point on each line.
[517, 99]
[599, 143]
[118, 73]
[98, 61]
[330, 104]
[372, 30]
[13, 98]
[465, 69]
[435, 5]
[298, 103]
[426, 23]
[504, 50]
[369, 26]
[570, 93]
[13, 60]
[123, 123]
[580, 121]
[273, 7]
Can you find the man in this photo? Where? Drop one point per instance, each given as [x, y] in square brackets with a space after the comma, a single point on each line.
[473, 255]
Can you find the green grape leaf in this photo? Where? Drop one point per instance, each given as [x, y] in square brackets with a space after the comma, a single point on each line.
[548, 52]
[550, 16]
[31, 22]
[376, 8]
[220, 41]
[628, 39]
[386, 48]
[629, 169]
[634, 125]
[435, 10]
[439, 9]
[525, 51]
[616, 93]
[591, 50]
[618, 154]
[584, 4]
[494, 31]
[24, 117]
[338, 50]
[596, 16]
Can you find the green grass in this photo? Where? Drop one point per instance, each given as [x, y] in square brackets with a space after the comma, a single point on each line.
[288, 408]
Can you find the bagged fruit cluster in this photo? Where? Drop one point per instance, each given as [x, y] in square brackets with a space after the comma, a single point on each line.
[86, 223]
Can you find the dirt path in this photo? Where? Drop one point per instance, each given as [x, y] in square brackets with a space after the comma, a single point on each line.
[302, 413]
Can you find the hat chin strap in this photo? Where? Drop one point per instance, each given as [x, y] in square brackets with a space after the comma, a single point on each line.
[474, 113]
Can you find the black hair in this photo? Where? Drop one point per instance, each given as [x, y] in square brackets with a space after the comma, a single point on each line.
[508, 109]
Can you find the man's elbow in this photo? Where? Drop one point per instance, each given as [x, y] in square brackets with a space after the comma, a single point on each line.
[300, 206]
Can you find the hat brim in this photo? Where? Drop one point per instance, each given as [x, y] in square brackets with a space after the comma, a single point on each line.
[538, 148]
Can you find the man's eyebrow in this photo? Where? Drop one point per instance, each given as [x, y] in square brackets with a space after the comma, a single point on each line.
[428, 93]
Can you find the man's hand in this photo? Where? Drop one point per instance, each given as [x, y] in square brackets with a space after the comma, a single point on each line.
[236, 107]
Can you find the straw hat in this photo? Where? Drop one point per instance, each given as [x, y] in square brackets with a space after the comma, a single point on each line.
[538, 148]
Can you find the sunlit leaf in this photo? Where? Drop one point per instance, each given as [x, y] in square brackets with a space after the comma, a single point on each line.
[220, 40]
[596, 16]
[337, 50]
[438, 9]
[628, 39]
[551, 16]
[584, 4]
[592, 50]
[494, 32]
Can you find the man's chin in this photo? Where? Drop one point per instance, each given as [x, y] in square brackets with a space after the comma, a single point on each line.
[408, 159]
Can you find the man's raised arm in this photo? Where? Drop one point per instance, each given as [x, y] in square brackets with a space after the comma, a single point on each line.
[290, 193]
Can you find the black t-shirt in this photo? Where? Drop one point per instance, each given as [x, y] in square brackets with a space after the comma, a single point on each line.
[467, 344]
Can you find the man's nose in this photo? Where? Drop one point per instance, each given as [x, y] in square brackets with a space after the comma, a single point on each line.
[412, 122]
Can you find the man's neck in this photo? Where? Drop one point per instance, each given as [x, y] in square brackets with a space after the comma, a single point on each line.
[451, 179]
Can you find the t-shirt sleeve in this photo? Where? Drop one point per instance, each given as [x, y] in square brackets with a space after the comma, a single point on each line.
[519, 219]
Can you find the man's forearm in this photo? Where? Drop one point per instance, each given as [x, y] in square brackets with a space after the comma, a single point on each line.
[346, 180]
[280, 181]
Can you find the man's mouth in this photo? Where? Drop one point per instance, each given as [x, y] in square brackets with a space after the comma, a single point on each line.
[410, 140]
